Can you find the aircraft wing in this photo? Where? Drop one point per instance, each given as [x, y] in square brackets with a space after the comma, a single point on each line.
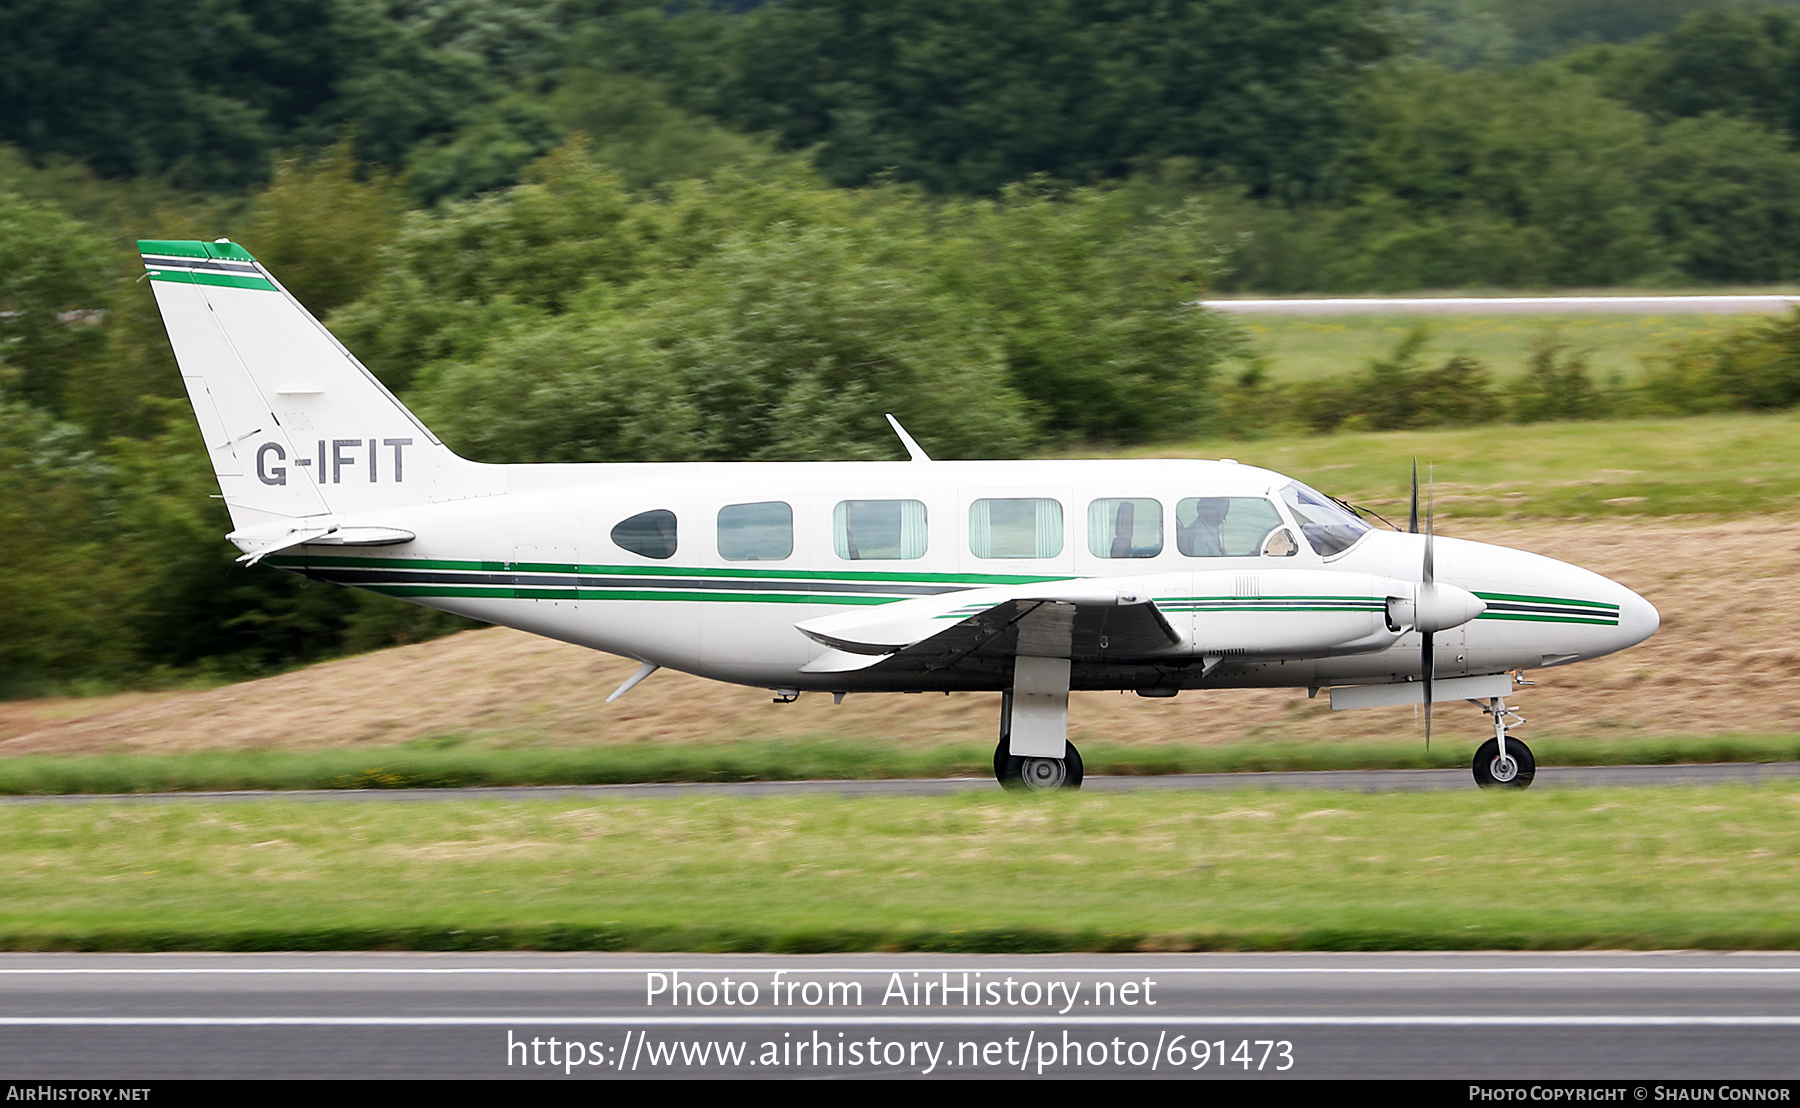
[1079, 619]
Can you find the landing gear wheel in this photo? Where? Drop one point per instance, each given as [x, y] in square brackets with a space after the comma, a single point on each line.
[1037, 774]
[1514, 772]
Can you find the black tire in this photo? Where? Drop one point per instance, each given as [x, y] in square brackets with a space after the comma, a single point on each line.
[1037, 774]
[1490, 776]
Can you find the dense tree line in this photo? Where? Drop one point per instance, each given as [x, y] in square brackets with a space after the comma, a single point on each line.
[1341, 144]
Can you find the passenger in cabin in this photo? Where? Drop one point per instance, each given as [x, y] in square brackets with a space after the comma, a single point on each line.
[1202, 538]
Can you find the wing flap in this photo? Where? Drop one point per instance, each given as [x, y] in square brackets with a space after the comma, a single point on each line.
[1082, 618]
[842, 661]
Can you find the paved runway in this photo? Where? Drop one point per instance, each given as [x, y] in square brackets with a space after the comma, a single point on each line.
[1461, 1016]
[1375, 780]
[1507, 305]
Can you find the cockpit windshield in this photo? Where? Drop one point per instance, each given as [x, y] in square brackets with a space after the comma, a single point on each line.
[1329, 528]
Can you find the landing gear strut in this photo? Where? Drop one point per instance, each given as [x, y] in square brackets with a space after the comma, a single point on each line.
[1502, 762]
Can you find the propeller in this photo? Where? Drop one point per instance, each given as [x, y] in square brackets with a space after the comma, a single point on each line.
[1434, 607]
[1427, 587]
[1412, 517]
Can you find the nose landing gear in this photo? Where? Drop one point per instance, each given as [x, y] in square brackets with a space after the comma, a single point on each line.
[1502, 762]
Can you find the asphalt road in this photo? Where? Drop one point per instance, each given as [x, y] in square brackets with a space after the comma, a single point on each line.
[1369, 781]
[1538, 1016]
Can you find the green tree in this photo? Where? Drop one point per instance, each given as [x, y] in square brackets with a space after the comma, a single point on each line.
[204, 90]
[55, 282]
[1513, 178]
[1737, 63]
[59, 589]
[455, 280]
[1397, 392]
[1727, 199]
[1094, 304]
[1557, 385]
[1754, 367]
[320, 226]
[785, 347]
[969, 95]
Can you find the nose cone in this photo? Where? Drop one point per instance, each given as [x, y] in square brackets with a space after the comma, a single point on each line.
[1638, 619]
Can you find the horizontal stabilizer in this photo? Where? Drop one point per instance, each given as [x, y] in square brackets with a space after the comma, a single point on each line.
[259, 543]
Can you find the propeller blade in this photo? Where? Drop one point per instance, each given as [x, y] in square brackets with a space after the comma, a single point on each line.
[1427, 588]
[1412, 515]
[1430, 510]
[1427, 663]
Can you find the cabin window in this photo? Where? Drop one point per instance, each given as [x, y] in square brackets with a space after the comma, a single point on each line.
[1027, 527]
[878, 529]
[1224, 526]
[1329, 528]
[762, 532]
[1125, 528]
[651, 534]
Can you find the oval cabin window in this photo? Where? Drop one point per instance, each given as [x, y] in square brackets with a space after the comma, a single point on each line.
[651, 534]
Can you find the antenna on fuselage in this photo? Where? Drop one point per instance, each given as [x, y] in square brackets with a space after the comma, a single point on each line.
[913, 449]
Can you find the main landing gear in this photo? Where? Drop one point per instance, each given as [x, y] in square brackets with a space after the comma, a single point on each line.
[1502, 762]
[1014, 772]
[1034, 721]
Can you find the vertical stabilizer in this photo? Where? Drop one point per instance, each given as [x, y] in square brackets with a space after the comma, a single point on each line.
[295, 426]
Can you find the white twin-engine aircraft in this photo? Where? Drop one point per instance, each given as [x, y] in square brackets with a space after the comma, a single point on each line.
[1027, 577]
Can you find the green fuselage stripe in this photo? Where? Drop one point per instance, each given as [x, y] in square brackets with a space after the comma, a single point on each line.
[1561, 601]
[772, 574]
[1526, 617]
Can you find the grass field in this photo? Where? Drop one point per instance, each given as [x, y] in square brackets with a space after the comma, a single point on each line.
[1727, 465]
[1306, 348]
[1715, 867]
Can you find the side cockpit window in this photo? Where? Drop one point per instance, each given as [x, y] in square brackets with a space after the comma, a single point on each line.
[651, 534]
[1224, 526]
[761, 532]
